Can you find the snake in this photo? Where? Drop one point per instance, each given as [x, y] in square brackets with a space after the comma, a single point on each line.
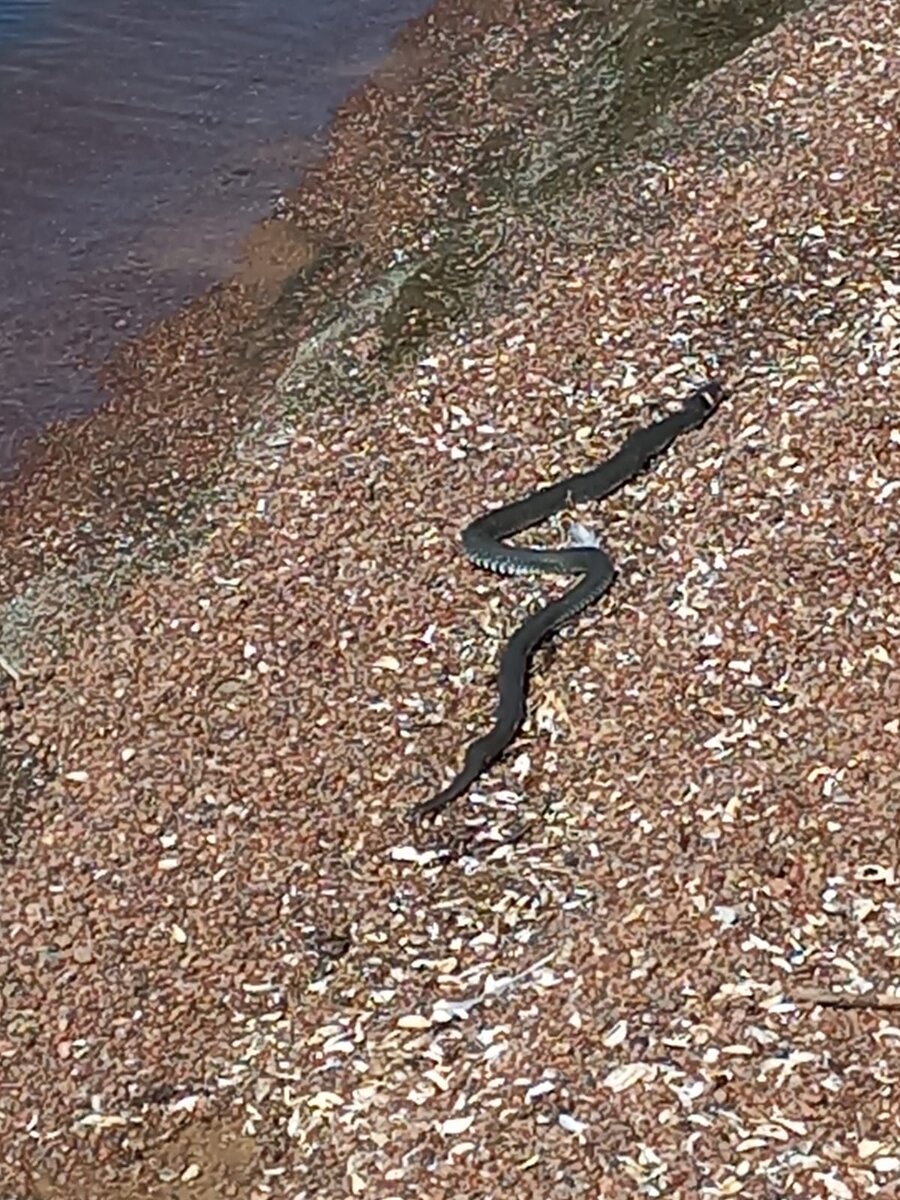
[484, 544]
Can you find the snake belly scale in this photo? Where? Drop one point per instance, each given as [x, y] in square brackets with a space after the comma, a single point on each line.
[484, 545]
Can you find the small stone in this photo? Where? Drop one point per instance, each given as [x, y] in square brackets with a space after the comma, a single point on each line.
[616, 1036]
[456, 1125]
[414, 1021]
[867, 1147]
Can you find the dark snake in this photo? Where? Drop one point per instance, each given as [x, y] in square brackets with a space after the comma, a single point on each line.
[483, 542]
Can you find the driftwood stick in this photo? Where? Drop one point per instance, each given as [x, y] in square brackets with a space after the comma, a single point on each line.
[831, 999]
[11, 671]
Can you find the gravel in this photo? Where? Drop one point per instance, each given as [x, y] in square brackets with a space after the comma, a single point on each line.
[651, 953]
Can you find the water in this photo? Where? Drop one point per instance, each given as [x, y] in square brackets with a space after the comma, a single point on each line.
[138, 143]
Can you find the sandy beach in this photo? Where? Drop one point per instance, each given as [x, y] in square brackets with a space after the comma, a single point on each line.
[653, 952]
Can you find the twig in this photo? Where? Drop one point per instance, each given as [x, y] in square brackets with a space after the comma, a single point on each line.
[490, 252]
[447, 1009]
[11, 671]
[830, 999]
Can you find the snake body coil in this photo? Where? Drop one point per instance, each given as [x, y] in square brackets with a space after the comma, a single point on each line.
[483, 542]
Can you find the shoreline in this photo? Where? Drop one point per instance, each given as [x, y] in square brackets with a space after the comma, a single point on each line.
[124, 196]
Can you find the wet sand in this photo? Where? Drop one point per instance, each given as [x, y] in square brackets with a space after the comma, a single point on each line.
[652, 951]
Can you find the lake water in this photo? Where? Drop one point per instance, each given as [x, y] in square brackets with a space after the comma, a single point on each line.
[138, 142]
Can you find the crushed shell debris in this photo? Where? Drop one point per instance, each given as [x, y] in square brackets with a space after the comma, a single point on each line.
[656, 953]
